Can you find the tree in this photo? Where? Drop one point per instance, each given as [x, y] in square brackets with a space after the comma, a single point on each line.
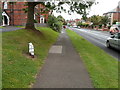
[99, 20]
[96, 19]
[30, 15]
[114, 22]
[104, 20]
[60, 18]
[79, 7]
[55, 23]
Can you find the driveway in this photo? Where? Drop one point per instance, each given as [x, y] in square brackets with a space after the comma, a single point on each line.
[9, 28]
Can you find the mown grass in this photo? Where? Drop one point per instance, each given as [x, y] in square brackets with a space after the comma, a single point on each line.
[1, 27]
[19, 70]
[102, 68]
[0, 61]
[20, 26]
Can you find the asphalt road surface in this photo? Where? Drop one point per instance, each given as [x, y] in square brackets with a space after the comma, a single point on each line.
[98, 38]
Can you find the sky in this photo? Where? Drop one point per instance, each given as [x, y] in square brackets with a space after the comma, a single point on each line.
[102, 7]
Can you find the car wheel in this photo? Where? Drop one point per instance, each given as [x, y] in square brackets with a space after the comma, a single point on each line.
[108, 44]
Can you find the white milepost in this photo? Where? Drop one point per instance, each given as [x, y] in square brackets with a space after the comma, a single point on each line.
[31, 49]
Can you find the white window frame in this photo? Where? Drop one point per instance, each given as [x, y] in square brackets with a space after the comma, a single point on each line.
[4, 14]
[5, 5]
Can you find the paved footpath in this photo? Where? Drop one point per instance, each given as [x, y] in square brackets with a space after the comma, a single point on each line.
[9, 28]
[63, 67]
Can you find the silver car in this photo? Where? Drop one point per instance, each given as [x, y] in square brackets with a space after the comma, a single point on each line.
[114, 41]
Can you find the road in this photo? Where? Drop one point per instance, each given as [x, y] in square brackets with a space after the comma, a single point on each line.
[98, 38]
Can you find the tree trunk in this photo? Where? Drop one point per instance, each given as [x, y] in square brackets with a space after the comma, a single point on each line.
[30, 16]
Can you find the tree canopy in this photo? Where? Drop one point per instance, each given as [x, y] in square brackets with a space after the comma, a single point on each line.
[99, 20]
[78, 7]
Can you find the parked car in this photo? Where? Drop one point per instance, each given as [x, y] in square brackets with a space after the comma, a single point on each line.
[75, 26]
[64, 27]
[79, 27]
[114, 41]
[114, 29]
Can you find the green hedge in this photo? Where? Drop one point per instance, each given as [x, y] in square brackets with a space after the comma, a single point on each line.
[54, 23]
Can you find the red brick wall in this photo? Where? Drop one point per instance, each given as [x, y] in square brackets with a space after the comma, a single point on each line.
[20, 16]
[116, 16]
[17, 16]
[45, 15]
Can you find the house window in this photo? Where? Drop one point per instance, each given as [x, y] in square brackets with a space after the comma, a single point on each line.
[5, 5]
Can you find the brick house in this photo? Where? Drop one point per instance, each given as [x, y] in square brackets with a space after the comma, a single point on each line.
[13, 14]
[114, 14]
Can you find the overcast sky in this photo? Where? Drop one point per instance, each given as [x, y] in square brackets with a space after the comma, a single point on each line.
[102, 7]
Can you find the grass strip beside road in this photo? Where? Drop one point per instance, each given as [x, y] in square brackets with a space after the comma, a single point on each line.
[102, 68]
[20, 26]
[19, 70]
[0, 61]
[1, 27]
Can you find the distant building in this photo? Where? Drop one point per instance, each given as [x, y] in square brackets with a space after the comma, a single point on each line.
[13, 14]
[73, 22]
[114, 14]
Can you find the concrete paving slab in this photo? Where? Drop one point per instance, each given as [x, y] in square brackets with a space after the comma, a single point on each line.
[56, 49]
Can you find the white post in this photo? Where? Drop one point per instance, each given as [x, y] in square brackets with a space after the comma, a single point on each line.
[31, 49]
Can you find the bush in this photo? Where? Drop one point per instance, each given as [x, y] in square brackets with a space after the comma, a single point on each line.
[86, 25]
[79, 24]
[82, 24]
[109, 26]
[100, 26]
[54, 23]
[35, 21]
[114, 22]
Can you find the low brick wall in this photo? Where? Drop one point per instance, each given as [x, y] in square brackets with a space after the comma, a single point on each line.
[105, 29]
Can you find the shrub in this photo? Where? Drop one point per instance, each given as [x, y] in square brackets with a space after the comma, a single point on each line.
[54, 23]
[35, 21]
[114, 22]
[100, 26]
[109, 26]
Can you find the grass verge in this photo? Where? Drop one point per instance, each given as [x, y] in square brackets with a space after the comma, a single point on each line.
[102, 68]
[20, 26]
[0, 61]
[19, 70]
[1, 27]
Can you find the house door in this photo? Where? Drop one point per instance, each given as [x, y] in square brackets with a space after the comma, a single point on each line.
[5, 20]
[42, 19]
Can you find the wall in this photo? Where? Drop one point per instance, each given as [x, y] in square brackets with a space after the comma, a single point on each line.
[18, 16]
